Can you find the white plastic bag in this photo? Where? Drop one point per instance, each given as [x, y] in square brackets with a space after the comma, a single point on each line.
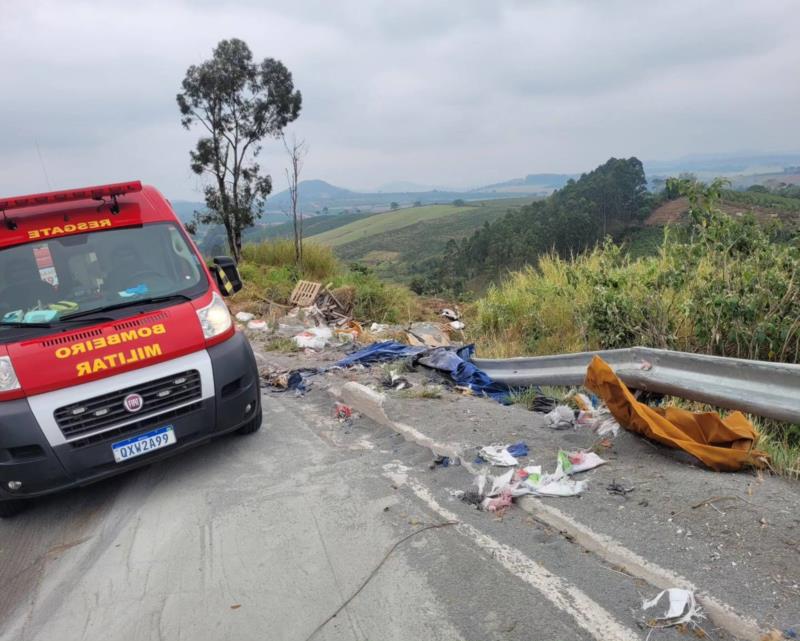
[497, 455]
[313, 338]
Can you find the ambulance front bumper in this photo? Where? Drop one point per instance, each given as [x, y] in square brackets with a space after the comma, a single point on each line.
[37, 457]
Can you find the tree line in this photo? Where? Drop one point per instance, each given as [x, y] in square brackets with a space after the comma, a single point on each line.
[571, 220]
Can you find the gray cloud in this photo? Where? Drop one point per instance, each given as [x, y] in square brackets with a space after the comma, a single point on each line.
[448, 93]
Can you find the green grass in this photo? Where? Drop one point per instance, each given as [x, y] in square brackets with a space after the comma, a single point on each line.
[393, 220]
[318, 262]
[396, 255]
[380, 223]
[312, 225]
[269, 273]
[281, 344]
[757, 199]
[427, 391]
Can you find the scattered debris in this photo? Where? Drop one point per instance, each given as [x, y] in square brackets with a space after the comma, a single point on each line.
[258, 325]
[456, 325]
[518, 449]
[580, 461]
[244, 316]
[561, 417]
[427, 335]
[350, 330]
[449, 314]
[619, 490]
[555, 484]
[503, 456]
[285, 380]
[473, 497]
[498, 503]
[342, 412]
[682, 608]
[499, 483]
[443, 461]
[457, 364]
[600, 420]
[381, 352]
[304, 293]
[313, 338]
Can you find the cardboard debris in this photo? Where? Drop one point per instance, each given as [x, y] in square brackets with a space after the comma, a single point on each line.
[427, 335]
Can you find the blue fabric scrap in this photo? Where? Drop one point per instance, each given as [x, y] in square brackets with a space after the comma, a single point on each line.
[518, 449]
[381, 352]
[454, 362]
[458, 365]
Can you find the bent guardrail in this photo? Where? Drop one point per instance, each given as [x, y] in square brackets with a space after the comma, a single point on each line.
[757, 387]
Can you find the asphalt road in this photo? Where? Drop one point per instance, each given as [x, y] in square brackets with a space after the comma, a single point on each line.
[265, 536]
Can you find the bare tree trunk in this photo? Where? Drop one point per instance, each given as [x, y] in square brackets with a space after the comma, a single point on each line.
[297, 151]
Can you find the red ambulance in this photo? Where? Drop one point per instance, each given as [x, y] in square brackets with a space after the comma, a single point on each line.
[116, 347]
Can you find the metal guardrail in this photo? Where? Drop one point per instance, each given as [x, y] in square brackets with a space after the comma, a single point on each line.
[757, 387]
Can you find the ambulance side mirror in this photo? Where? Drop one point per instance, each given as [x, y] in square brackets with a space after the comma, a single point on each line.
[227, 274]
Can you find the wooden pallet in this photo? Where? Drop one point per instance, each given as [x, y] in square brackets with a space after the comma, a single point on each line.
[305, 293]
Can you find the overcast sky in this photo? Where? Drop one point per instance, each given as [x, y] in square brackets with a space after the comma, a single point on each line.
[462, 93]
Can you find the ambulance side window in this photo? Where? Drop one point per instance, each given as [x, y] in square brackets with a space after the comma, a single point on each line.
[184, 257]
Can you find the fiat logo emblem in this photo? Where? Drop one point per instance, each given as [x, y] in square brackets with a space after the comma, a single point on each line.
[133, 402]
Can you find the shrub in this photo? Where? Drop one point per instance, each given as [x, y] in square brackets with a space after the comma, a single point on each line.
[269, 272]
[725, 289]
[319, 263]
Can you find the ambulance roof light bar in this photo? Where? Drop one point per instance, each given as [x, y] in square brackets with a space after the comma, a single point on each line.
[99, 192]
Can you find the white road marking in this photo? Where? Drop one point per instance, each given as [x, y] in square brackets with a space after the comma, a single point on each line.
[587, 613]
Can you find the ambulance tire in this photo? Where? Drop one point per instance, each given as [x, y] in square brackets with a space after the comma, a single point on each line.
[254, 425]
[11, 508]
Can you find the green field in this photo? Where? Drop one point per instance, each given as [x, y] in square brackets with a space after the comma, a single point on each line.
[396, 248]
[360, 230]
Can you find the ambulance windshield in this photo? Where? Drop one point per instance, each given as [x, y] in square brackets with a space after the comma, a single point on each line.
[44, 281]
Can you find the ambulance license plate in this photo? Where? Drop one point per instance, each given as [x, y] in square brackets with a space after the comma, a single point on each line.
[143, 443]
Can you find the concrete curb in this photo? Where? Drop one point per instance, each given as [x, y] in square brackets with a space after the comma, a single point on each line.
[371, 403]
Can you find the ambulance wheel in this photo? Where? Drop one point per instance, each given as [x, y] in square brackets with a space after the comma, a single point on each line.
[254, 425]
[11, 508]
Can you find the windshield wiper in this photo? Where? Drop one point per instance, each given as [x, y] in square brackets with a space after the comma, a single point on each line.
[128, 303]
[22, 324]
[53, 323]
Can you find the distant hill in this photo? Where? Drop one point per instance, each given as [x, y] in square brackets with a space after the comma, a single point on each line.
[705, 165]
[313, 194]
[404, 186]
[317, 196]
[532, 183]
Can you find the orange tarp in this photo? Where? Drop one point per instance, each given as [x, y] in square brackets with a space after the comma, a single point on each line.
[725, 445]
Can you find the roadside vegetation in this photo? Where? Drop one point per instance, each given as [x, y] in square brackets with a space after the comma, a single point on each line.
[724, 286]
[270, 274]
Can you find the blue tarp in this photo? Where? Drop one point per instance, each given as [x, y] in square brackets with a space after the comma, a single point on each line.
[382, 352]
[455, 362]
[458, 364]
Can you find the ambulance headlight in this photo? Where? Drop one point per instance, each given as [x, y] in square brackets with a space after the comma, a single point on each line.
[8, 377]
[215, 319]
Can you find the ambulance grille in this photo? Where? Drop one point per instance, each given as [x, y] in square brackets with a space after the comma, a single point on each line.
[101, 412]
